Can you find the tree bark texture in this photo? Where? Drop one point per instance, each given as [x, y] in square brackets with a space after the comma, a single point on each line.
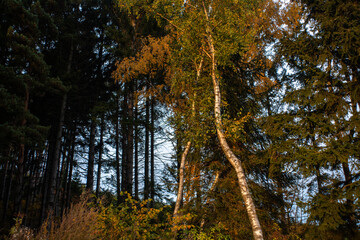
[181, 179]
[235, 162]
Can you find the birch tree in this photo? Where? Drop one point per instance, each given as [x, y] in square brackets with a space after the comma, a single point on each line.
[218, 30]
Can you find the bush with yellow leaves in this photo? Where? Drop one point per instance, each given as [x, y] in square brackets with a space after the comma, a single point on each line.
[132, 219]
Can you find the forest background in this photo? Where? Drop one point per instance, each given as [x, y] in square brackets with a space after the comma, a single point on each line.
[260, 100]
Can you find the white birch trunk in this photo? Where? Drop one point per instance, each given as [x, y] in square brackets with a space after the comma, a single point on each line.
[181, 179]
[186, 151]
[235, 162]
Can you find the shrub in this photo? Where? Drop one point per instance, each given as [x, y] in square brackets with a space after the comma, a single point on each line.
[130, 220]
[78, 223]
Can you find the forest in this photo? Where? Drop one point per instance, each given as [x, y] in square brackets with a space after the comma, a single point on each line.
[180, 119]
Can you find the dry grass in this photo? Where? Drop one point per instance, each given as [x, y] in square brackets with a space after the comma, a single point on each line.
[78, 223]
[130, 220]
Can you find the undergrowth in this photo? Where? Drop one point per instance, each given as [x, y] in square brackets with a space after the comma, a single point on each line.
[88, 220]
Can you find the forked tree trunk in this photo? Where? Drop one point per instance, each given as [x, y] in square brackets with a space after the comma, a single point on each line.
[235, 162]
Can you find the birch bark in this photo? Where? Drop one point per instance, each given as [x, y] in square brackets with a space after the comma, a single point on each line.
[186, 151]
[235, 162]
[181, 179]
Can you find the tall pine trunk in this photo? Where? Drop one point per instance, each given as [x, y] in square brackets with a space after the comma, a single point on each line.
[117, 148]
[65, 174]
[61, 176]
[8, 192]
[147, 139]
[101, 146]
[102, 124]
[53, 164]
[127, 140]
[130, 141]
[49, 193]
[136, 145]
[5, 173]
[90, 169]
[71, 166]
[21, 159]
[152, 151]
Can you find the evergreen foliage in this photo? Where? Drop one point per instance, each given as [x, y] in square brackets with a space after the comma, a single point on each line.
[316, 133]
[93, 93]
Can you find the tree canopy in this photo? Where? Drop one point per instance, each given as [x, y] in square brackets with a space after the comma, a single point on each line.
[196, 119]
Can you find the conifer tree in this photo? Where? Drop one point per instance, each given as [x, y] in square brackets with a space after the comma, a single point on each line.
[25, 77]
[318, 129]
